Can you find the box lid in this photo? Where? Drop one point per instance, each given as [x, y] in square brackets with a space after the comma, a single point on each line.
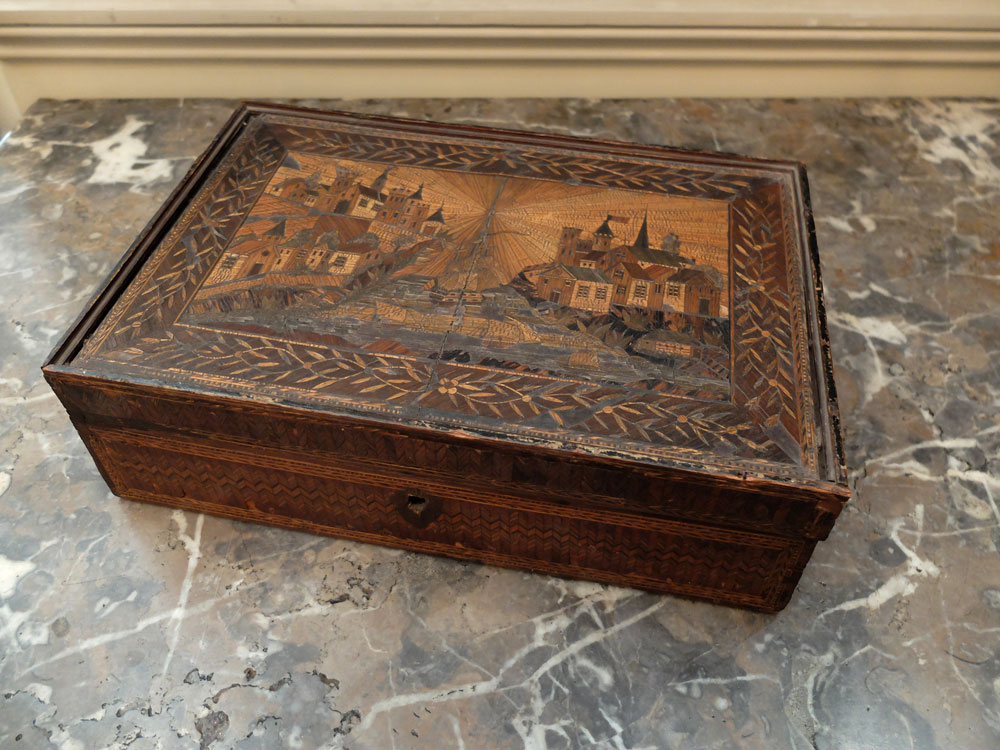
[598, 298]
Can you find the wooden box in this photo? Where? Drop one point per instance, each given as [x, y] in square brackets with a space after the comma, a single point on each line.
[585, 358]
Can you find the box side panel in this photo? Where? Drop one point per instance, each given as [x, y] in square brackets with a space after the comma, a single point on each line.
[485, 467]
[828, 408]
[693, 560]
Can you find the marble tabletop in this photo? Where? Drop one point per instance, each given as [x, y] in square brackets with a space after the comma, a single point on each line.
[126, 625]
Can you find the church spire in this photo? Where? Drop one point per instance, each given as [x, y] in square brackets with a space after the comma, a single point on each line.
[642, 239]
[437, 216]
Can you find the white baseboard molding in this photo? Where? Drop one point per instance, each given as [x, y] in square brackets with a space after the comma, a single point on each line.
[91, 61]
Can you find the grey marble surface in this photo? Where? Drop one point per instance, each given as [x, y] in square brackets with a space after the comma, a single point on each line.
[124, 625]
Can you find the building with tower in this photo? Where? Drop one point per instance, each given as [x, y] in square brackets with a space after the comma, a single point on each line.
[571, 286]
[404, 209]
[603, 236]
[304, 190]
[639, 274]
[348, 195]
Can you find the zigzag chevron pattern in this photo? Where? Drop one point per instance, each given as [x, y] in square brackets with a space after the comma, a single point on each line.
[250, 427]
[737, 569]
[188, 253]
[655, 424]
[763, 367]
[590, 169]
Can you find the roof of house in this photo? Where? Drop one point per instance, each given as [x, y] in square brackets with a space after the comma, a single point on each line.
[312, 181]
[714, 274]
[297, 179]
[272, 206]
[303, 235]
[622, 251]
[658, 257]
[688, 275]
[658, 273]
[636, 271]
[559, 270]
[369, 192]
[248, 245]
[587, 274]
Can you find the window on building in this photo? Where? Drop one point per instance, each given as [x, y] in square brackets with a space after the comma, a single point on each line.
[339, 261]
[658, 288]
[583, 291]
[567, 283]
[640, 291]
[674, 290]
[601, 292]
[619, 273]
[621, 289]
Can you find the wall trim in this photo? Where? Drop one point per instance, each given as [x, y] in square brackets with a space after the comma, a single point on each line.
[930, 14]
[498, 43]
[86, 61]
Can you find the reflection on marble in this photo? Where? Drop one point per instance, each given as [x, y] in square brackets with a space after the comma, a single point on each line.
[124, 625]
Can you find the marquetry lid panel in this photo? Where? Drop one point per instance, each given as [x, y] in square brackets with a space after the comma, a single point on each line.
[588, 296]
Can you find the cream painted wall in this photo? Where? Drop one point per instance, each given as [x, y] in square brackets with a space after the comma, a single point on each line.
[390, 48]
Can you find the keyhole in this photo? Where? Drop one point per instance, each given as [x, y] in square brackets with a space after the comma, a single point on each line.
[416, 504]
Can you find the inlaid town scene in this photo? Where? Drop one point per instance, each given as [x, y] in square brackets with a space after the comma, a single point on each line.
[521, 274]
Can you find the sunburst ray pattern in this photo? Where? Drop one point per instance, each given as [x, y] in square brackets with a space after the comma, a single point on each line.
[526, 217]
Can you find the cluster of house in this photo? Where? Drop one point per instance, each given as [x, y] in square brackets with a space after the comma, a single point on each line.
[347, 194]
[593, 273]
[349, 225]
[330, 244]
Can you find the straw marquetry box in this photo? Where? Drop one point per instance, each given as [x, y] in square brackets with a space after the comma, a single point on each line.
[584, 358]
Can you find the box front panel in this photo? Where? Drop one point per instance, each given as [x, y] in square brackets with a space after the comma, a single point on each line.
[688, 559]
[490, 467]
